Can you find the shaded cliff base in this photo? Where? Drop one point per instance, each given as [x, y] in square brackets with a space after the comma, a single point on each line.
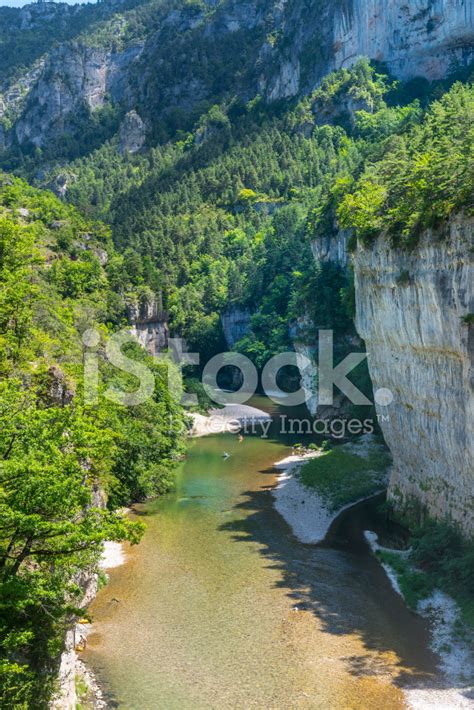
[451, 639]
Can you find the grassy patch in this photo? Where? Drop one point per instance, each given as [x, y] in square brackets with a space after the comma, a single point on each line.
[414, 585]
[347, 473]
[440, 558]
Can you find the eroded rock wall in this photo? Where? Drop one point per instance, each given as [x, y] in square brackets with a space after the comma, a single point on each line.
[74, 78]
[413, 313]
[148, 323]
[413, 37]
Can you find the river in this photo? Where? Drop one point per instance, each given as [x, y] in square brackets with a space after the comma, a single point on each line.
[221, 607]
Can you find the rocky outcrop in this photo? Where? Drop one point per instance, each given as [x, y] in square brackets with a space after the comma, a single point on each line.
[332, 247]
[414, 37]
[132, 133]
[235, 324]
[413, 312]
[74, 78]
[66, 698]
[59, 391]
[148, 323]
[35, 15]
[69, 665]
[286, 82]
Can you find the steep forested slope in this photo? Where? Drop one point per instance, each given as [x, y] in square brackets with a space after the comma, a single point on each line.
[61, 457]
[226, 217]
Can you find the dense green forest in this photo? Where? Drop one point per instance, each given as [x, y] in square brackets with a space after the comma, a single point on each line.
[226, 215]
[61, 458]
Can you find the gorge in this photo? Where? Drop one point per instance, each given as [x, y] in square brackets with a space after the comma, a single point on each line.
[242, 176]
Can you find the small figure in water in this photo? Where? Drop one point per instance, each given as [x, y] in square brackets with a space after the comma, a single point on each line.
[81, 645]
[241, 438]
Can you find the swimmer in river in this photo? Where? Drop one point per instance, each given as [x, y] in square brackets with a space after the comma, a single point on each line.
[241, 438]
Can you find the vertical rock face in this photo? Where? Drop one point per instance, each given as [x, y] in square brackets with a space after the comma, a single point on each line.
[414, 37]
[74, 77]
[235, 324]
[413, 313]
[132, 133]
[333, 247]
[148, 324]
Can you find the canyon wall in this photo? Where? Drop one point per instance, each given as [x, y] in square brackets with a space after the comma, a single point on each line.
[293, 45]
[413, 312]
[414, 37]
[74, 78]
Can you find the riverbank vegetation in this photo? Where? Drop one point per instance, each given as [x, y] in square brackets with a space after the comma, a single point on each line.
[61, 458]
[439, 558]
[347, 473]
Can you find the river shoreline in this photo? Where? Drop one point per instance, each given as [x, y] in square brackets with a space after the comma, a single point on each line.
[73, 671]
[456, 656]
[307, 515]
[310, 522]
[231, 419]
[303, 508]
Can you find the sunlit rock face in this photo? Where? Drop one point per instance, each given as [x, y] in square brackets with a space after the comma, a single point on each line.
[74, 78]
[132, 133]
[292, 45]
[413, 37]
[413, 312]
[148, 324]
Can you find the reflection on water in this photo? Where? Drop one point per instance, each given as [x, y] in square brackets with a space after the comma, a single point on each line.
[220, 607]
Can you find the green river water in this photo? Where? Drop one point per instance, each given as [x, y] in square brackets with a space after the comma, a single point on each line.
[221, 607]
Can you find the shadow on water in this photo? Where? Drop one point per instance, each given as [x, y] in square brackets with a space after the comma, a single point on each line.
[191, 597]
[345, 587]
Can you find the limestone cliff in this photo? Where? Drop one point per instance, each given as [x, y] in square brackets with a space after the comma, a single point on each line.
[278, 48]
[75, 77]
[148, 323]
[416, 37]
[413, 313]
[412, 310]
